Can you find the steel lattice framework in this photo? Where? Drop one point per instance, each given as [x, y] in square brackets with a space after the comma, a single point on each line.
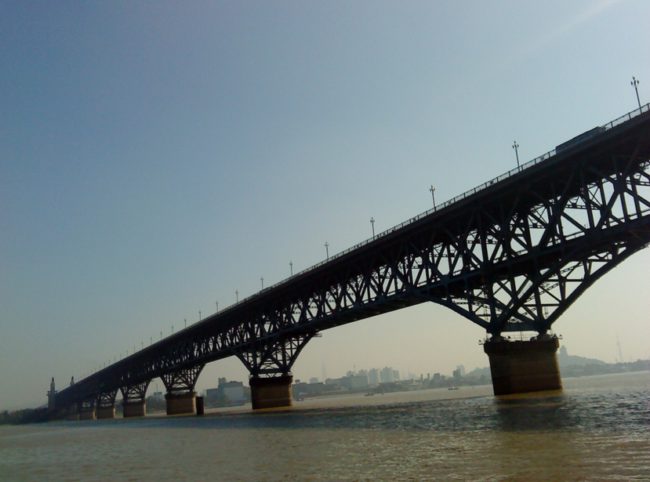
[512, 255]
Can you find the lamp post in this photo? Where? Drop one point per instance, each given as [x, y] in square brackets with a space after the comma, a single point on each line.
[217, 304]
[262, 281]
[291, 267]
[635, 84]
[327, 250]
[515, 146]
[237, 296]
[372, 222]
[432, 190]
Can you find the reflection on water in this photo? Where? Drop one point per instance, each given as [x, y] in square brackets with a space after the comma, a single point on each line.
[598, 429]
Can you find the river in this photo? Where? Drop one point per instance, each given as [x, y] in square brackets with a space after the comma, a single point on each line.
[598, 428]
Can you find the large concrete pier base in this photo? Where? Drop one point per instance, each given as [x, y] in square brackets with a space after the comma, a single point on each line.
[271, 392]
[181, 403]
[87, 414]
[134, 409]
[105, 412]
[523, 366]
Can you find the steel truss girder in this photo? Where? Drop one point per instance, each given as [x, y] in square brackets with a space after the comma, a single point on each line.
[135, 392]
[182, 380]
[274, 357]
[107, 399]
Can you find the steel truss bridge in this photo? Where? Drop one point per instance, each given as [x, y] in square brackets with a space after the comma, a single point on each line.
[510, 255]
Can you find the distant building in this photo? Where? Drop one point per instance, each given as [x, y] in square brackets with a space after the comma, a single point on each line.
[233, 392]
[227, 393]
[302, 390]
[211, 396]
[373, 377]
[387, 375]
[459, 372]
[51, 396]
[355, 382]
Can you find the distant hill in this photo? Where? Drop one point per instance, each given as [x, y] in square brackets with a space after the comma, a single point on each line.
[566, 360]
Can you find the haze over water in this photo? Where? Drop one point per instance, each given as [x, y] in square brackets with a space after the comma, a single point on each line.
[598, 428]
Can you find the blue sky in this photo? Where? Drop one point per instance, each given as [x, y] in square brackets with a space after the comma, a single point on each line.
[157, 156]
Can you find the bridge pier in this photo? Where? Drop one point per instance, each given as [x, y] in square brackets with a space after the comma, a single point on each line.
[180, 396]
[135, 408]
[106, 405]
[269, 365]
[271, 392]
[523, 366]
[133, 399]
[86, 410]
[105, 412]
[87, 414]
[181, 403]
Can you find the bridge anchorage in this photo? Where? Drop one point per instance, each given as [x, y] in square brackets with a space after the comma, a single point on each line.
[510, 256]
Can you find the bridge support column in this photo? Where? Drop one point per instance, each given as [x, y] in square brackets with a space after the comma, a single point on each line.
[105, 412]
[180, 396]
[106, 405]
[71, 412]
[86, 410]
[271, 392]
[136, 408]
[181, 403]
[134, 399]
[269, 364]
[523, 366]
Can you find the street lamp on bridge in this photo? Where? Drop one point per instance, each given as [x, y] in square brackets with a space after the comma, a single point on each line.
[291, 267]
[327, 250]
[432, 190]
[635, 84]
[515, 146]
[372, 222]
[262, 281]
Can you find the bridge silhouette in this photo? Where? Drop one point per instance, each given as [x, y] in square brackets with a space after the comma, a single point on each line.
[510, 255]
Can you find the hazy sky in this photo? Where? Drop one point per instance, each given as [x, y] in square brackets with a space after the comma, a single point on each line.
[157, 156]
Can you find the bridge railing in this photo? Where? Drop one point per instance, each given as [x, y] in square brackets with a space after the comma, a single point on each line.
[537, 160]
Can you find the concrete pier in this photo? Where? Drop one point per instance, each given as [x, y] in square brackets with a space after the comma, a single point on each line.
[181, 403]
[271, 392]
[105, 412]
[523, 366]
[87, 414]
[134, 409]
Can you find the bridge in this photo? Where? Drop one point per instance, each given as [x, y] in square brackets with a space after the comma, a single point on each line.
[510, 255]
